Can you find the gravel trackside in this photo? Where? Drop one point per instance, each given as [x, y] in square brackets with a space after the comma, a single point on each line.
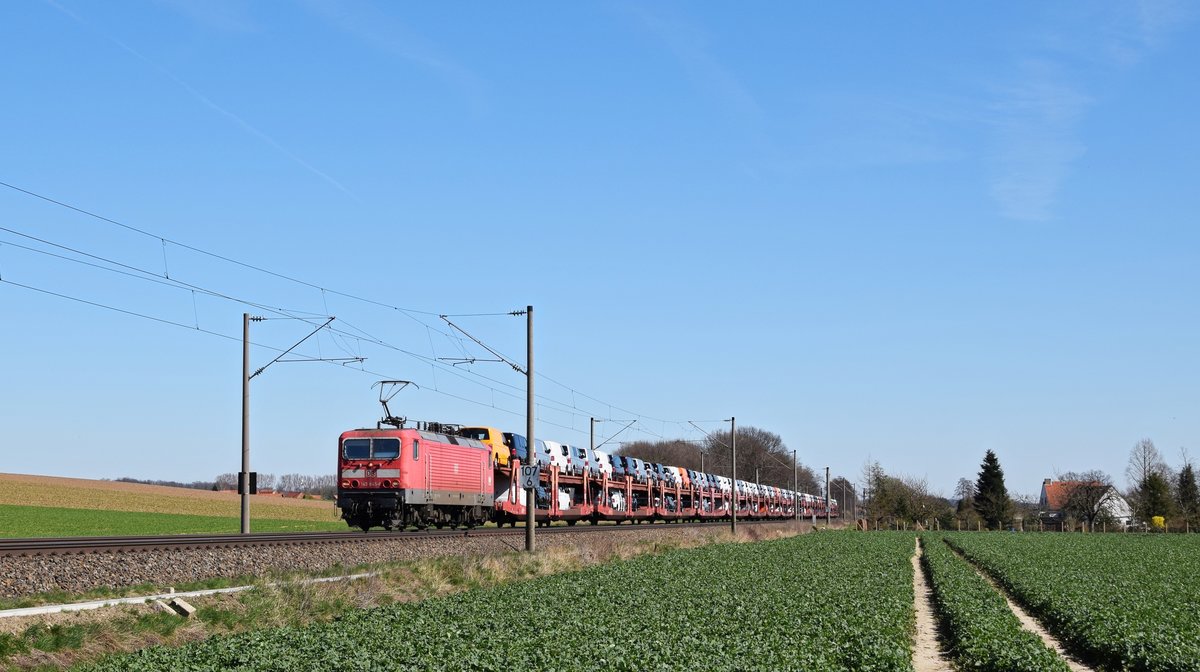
[78, 573]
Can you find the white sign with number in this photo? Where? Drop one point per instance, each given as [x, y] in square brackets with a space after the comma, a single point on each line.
[529, 476]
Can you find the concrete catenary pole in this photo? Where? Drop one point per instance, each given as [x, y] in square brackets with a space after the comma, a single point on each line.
[842, 510]
[592, 450]
[733, 461]
[795, 484]
[827, 497]
[245, 479]
[530, 499]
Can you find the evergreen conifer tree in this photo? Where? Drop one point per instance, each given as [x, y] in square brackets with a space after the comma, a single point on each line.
[1187, 493]
[991, 497]
[1156, 497]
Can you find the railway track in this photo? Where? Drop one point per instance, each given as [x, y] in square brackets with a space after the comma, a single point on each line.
[70, 545]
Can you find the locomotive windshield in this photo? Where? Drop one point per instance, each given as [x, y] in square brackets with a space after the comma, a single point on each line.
[366, 449]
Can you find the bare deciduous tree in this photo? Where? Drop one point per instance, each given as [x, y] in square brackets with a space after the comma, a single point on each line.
[1146, 467]
[1088, 495]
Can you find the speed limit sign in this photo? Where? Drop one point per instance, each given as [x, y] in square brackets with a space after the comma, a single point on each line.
[529, 475]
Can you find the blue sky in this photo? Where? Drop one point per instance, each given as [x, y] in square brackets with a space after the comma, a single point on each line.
[904, 232]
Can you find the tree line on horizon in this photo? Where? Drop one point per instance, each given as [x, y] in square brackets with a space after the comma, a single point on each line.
[1155, 490]
[324, 485]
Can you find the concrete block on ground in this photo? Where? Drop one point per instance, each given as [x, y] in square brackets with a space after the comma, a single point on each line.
[183, 608]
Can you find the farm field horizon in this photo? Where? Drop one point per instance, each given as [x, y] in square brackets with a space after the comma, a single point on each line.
[44, 506]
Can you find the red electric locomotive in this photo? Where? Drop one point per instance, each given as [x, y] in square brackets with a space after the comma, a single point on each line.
[400, 477]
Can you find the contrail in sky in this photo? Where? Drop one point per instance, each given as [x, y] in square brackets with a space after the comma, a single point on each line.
[208, 102]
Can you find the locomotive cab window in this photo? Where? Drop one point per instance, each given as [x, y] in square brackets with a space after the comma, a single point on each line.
[385, 449]
[356, 449]
[366, 449]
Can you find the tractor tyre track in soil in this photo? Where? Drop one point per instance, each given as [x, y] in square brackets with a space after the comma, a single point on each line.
[928, 654]
[1027, 620]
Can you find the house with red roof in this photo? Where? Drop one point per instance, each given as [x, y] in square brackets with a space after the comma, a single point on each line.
[1056, 493]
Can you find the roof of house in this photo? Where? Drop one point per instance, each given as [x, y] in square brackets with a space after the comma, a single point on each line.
[1055, 493]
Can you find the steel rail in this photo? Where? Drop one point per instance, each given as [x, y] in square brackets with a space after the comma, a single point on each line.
[71, 545]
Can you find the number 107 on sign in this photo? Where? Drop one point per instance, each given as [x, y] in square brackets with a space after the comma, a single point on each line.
[529, 476]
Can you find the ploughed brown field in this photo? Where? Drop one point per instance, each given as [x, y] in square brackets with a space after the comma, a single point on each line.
[78, 493]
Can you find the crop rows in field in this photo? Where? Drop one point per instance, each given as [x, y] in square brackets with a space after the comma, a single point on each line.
[1125, 602]
[984, 633]
[815, 602]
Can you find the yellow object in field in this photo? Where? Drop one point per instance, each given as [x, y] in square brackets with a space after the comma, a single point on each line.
[492, 437]
[1158, 523]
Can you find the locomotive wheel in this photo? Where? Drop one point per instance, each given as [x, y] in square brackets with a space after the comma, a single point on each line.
[571, 523]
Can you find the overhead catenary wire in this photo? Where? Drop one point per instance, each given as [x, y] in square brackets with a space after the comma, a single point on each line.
[406, 311]
[411, 313]
[262, 345]
[149, 276]
[238, 339]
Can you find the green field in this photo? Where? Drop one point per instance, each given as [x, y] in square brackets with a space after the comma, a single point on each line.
[39, 521]
[1127, 602]
[814, 602]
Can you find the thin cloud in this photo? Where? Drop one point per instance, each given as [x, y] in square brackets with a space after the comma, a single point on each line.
[1035, 118]
[230, 16]
[1035, 122]
[690, 46]
[384, 33]
[212, 105]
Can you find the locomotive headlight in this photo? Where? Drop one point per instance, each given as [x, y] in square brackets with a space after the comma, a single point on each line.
[345, 484]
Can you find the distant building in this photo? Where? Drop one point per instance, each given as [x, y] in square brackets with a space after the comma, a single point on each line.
[1054, 500]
